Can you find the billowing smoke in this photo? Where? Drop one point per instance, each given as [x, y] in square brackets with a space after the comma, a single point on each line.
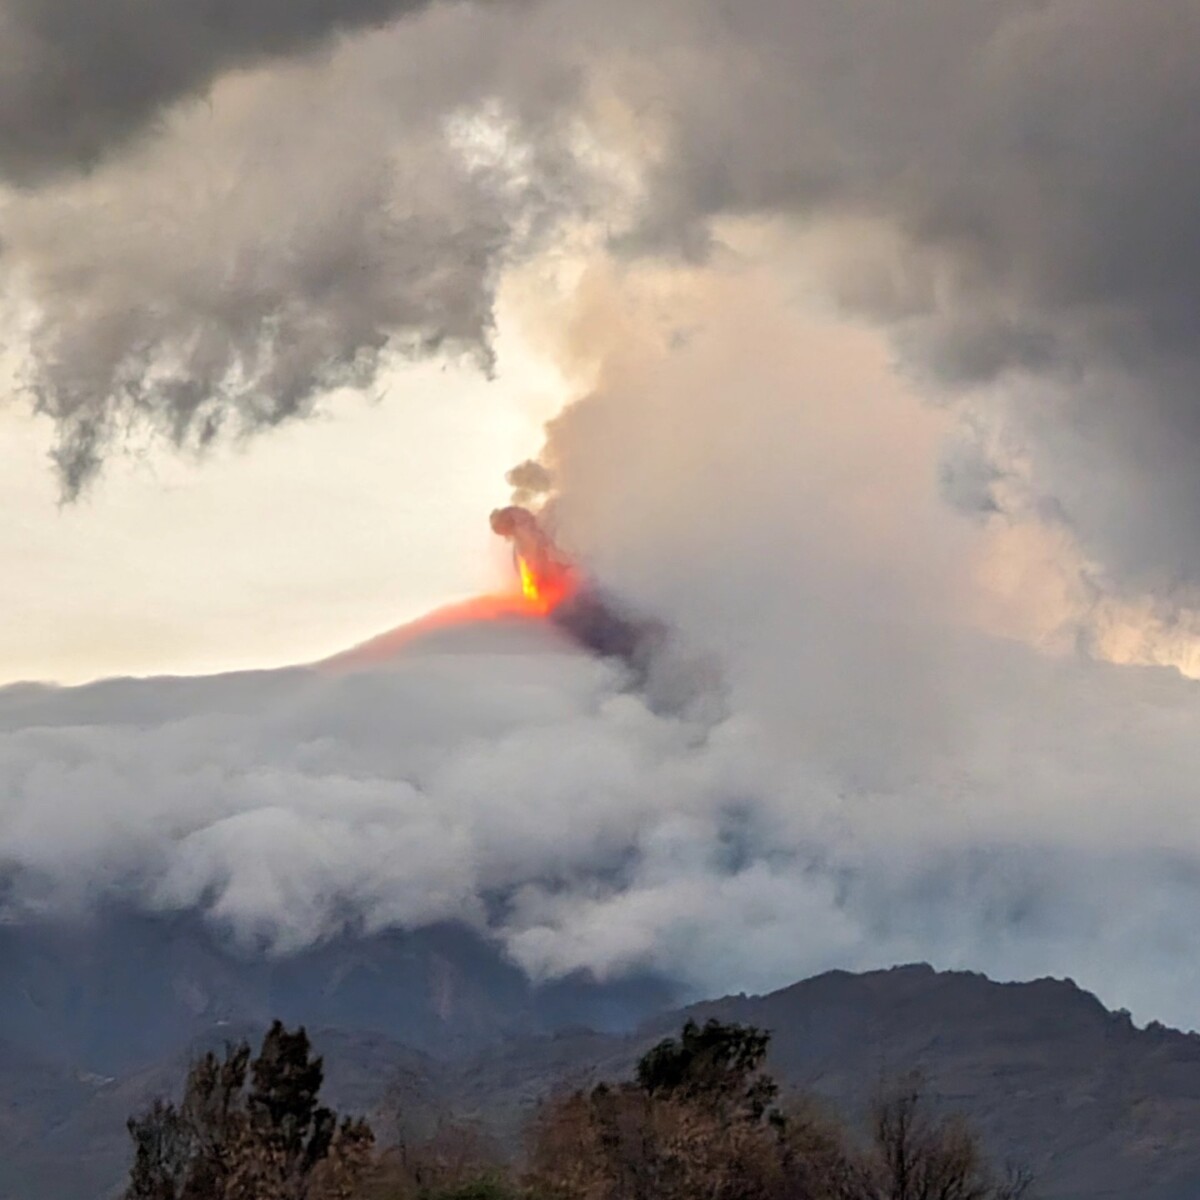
[306, 225]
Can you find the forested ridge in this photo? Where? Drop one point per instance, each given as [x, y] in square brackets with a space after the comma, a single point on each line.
[700, 1118]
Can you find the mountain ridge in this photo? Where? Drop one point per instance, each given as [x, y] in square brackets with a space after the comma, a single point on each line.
[1097, 1107]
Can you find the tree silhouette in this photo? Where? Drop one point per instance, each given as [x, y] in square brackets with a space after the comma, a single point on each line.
[269, 1141]
[919, 1157]
[715, 1061]
[698, 1121]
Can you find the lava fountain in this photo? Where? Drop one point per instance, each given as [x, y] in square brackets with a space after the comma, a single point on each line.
[546, 577]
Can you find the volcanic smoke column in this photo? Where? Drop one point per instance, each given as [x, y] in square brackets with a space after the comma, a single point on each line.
[547, 579]
[555, 588]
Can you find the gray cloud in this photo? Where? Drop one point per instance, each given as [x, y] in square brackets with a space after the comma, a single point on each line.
[1031, 172]
[1007, 187]
[314, 221]
[81, 78]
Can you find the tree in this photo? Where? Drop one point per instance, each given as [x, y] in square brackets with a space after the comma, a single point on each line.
[699, 1120]
[160, 1154]
[186, 1153]
[918, 1157]
[458, 1161]
[716, 1062]
[270, 1141]
[695, 1122]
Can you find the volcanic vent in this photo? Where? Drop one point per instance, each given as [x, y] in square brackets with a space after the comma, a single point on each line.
[549, 591]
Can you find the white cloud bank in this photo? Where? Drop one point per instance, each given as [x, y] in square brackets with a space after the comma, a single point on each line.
[497, 776]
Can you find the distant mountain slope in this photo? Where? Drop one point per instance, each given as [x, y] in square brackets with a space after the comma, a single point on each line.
[68, 1141]
[1099, 1109]
[126, 990]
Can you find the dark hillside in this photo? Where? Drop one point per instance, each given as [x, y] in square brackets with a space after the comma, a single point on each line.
[1099, 1109]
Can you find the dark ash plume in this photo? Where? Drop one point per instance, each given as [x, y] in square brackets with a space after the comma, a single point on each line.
[529, 481]
[590, 615]
[595, 619]
[533, 544]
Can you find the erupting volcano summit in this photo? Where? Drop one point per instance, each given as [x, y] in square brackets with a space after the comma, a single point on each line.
[553, 593]
[547, 579]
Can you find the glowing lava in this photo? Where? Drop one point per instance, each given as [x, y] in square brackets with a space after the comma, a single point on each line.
[545, 589]
[546, 578]
[529, 583]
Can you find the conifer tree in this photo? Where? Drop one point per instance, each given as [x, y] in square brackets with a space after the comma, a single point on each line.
[249, 1130]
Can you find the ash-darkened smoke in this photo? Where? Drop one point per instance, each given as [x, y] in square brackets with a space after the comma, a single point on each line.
[534, 546]
[595, 620]
[530, 480]
[574, 603]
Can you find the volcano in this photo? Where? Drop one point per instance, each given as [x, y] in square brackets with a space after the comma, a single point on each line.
[552, 605]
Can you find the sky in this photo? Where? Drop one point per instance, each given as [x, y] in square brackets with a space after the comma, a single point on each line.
[268, 553]
[852, 345]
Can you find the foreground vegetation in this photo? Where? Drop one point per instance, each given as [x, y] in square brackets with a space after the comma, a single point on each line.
[700, 1119]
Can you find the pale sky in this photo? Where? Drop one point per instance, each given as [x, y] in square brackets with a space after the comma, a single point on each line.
[317, 536]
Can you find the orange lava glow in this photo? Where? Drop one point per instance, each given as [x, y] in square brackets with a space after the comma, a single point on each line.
[536, 597]
[529, 583]
[544, 591]
[543, 580]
